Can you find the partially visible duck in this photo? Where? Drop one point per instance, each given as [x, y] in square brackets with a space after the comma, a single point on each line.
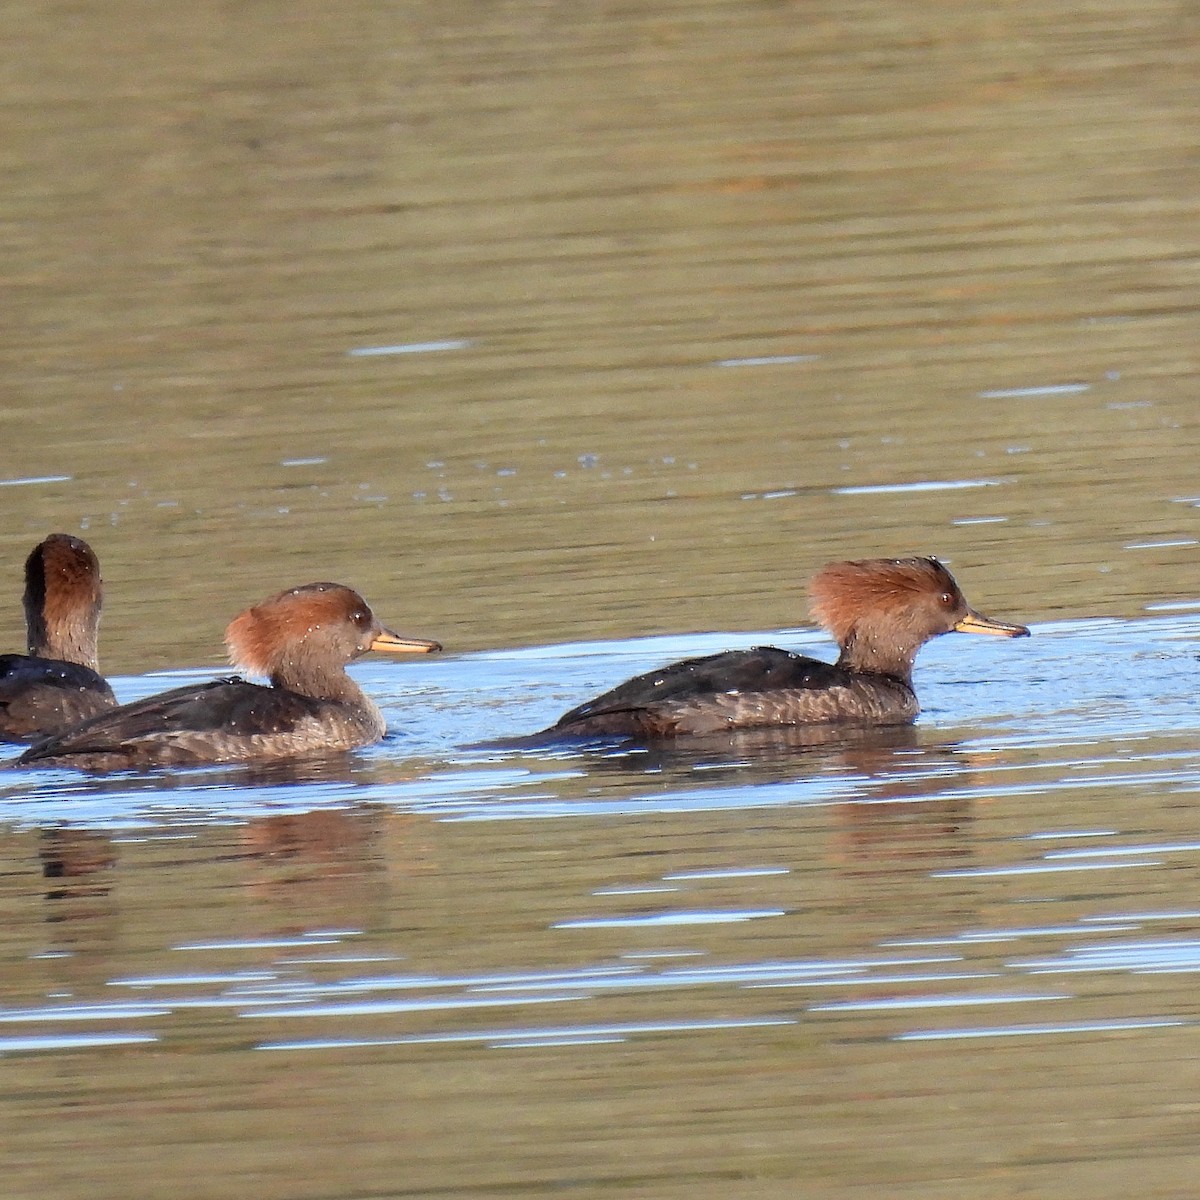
[880, 611]
[301, 640]
[58, 682]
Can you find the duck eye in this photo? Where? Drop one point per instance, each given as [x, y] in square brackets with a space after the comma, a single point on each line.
[947, 599]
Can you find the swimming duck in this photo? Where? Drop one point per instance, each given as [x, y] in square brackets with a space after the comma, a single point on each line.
[57, 683]
[880, 611]
[301, 639]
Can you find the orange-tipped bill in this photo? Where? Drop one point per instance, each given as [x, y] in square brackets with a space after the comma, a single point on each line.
[394, 643]
[975, 622]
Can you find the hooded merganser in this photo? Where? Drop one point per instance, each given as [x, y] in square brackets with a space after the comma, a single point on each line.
[58, 683]
[880, 611]
[301, 640]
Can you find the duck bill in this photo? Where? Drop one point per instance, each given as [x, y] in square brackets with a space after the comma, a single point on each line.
[395, 643]
[975, 622]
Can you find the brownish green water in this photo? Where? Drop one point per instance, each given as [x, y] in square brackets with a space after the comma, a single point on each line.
[578, 336]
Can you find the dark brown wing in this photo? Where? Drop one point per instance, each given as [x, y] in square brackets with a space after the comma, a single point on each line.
[762, 669]
[39, 696]
[226, 709]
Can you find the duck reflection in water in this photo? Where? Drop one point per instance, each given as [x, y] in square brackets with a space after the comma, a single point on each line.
[880, 611]
[57, 683]
[755, 755]
[76, 862]
[82, 925]
[323, 867]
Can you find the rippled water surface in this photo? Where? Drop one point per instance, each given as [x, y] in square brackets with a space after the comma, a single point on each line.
[578, 336]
